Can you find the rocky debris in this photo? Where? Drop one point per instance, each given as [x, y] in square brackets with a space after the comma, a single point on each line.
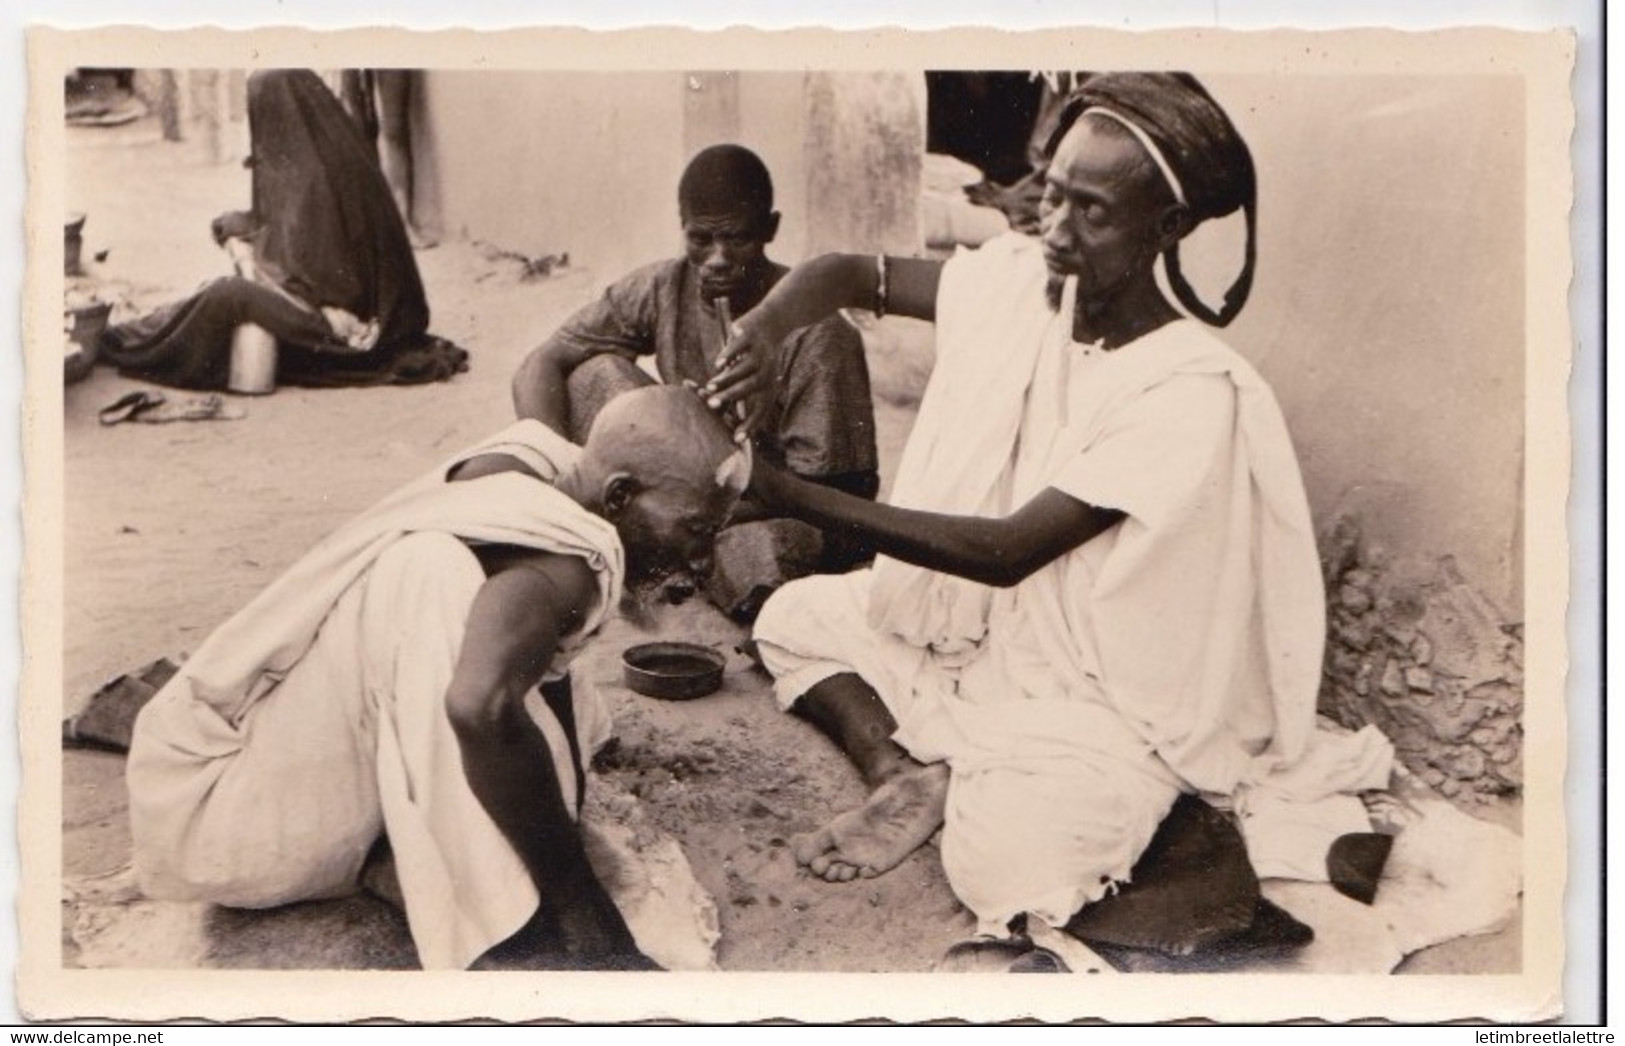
[1419, 652]
[526, 267]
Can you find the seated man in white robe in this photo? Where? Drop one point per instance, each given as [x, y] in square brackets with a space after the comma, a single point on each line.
[1100, 587]
[387, 684]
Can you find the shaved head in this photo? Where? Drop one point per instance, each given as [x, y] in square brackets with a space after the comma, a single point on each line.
[664, 470]
[665, 433]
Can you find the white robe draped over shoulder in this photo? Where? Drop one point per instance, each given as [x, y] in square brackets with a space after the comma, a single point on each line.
[314, 719]
[1178, 650]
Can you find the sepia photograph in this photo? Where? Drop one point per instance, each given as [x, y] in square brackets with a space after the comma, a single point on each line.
[835, 517]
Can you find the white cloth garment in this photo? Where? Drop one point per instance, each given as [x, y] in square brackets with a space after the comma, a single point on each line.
[1179, 649]
[315, 718]
[1050, 800]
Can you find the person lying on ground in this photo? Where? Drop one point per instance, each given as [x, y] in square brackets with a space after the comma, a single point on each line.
[386, 685]
[322, 257]
[819, 422]
[1098, 586]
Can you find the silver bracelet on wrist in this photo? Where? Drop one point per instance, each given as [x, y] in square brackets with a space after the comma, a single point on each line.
[882, 272]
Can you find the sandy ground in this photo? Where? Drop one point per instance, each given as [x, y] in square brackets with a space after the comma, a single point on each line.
[170, 528]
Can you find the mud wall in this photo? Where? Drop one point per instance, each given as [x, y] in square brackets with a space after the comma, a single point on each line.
[1388, 314]
[587, 163]
[548, 163]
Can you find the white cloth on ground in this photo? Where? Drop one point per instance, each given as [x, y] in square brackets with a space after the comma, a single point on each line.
[1292, 817]
[313, 719]
[1195, 625]
[1449, 875]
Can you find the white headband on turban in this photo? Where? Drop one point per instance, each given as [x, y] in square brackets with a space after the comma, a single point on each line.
[1145, 140]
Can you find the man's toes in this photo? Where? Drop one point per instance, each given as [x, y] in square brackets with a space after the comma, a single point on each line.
[820, 865]
[837, 871]
[809, 846]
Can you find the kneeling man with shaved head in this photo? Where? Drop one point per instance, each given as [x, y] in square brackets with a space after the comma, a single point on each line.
[408, 678]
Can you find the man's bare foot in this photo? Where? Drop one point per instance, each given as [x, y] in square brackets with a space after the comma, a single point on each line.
[874, 838]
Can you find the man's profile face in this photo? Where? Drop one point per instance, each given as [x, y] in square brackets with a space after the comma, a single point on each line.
[1103, 200]
[728, 249]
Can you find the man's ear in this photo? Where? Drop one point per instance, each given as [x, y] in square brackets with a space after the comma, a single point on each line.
[770, 227]
[1172, 225]
[619, 490]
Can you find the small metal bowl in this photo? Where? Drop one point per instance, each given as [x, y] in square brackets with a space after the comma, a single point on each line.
[674, 671]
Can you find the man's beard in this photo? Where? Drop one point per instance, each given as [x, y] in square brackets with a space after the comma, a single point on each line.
[1054, 291]
[643, 597]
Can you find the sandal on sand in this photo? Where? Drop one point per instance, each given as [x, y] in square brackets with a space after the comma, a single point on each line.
[108, 719]
[1039, 960]
[994, 955]
[984, 955]
[212, 407]
[129, 406]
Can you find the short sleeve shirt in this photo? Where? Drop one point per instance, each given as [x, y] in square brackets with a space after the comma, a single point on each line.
[823, 421]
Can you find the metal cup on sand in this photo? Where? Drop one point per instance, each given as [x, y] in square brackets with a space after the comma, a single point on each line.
[253, 361]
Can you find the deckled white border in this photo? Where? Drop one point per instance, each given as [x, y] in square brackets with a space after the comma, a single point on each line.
[47, 991]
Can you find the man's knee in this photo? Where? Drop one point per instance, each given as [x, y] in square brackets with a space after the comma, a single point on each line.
[809, 630]
[757, 558]
[593, 383]
[230, 883]
[229, 298]
[782, 621]
[826, 426]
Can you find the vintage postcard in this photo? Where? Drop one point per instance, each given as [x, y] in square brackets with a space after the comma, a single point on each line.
[1141, 553]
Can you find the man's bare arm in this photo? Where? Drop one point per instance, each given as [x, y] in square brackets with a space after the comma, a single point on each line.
[616, 323]
[993, 551]
[806, 295]
[531, 600]
[540, 383]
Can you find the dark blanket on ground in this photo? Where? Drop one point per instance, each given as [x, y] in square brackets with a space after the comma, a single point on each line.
[188, 344]
[1193, 895]
[326, 231]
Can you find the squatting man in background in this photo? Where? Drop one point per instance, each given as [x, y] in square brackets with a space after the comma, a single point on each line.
[819, 419]
[1099, 588]
[388, 684]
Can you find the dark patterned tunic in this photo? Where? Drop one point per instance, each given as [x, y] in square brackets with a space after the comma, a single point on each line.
[822, 421]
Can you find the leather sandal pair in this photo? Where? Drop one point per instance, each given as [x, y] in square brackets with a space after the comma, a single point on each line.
[155, 408]
[129, 406]
[1016, 954]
